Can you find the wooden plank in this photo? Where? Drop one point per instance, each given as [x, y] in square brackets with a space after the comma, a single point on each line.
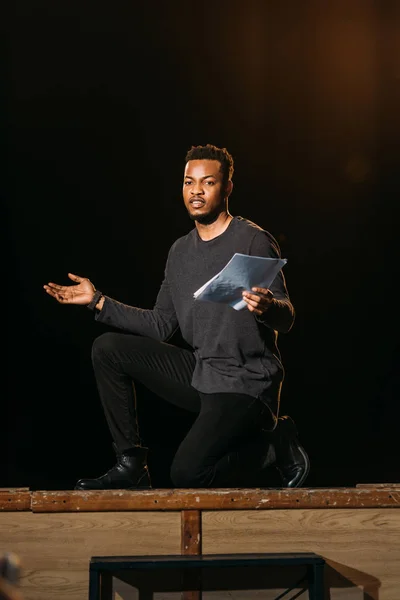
[191, 543]
[55, 549]
[386, 486]
[204, 499]
[361, 547]
[15, 499]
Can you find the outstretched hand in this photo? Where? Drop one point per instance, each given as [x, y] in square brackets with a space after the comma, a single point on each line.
[80, 293]
[260, 301]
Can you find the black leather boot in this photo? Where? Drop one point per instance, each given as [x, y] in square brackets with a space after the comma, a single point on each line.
[129, 473]
[292, 460]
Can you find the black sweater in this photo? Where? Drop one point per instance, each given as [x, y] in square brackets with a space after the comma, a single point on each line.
[235, 351]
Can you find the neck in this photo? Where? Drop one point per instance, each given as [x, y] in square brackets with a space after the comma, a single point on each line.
[214, 229]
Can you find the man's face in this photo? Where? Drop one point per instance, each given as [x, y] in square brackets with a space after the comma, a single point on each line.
[203, 190]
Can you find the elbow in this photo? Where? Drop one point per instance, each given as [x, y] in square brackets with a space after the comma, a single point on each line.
[285, 327]
[284, 317]
[289, 321]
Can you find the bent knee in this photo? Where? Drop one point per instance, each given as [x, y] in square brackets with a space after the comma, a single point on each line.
[105, 344]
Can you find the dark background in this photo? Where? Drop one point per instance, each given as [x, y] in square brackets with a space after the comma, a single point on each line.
[102, 102]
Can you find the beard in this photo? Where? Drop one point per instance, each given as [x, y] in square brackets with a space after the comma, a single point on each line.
[206, 218]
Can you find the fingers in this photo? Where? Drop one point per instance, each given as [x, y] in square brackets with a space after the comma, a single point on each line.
[264, 299]
[262, 291]
[50, 289]
[76, 277]
[56, 287]
[255, 310]
[78, 293]
[63, 294]
[254, 298]
[253, 305]
[54, 294]
[259, 302]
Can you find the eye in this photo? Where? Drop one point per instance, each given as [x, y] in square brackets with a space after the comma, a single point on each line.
[210, 182]
[187, 183]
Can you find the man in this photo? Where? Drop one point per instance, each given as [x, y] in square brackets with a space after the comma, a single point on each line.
[231, 378]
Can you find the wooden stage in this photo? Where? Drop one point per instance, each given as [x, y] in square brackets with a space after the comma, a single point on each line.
[357, 531]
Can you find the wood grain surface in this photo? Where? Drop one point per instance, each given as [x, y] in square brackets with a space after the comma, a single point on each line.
[55, 549]
[203, 499]
[362, 547]
[361, 543]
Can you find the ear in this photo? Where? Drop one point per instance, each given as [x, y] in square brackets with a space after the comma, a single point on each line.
[228, 188]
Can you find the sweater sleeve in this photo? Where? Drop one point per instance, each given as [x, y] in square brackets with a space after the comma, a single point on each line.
[281, 314]
[158, 323]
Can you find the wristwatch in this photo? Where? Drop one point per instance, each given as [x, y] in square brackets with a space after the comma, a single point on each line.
[97, 295]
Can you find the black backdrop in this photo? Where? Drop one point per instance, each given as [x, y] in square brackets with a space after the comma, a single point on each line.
[102, 102]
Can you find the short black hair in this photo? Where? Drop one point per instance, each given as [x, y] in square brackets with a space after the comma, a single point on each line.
[210, 152]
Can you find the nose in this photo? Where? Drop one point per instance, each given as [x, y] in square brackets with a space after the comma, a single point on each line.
[197, 189]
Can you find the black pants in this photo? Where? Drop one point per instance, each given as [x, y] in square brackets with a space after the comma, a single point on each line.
[226, 438]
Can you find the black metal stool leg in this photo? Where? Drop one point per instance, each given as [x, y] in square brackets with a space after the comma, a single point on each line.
[316, 582]
[106, 587]
[94, 585]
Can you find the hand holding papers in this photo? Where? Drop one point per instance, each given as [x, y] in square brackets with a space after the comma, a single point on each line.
[240, 274]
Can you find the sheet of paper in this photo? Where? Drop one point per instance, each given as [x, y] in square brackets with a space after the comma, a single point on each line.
[241, 273]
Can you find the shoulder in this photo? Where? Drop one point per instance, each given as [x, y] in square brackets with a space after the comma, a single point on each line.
[260, 237]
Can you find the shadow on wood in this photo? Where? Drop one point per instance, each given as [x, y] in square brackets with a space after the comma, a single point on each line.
[338, 575]
[249, 582]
